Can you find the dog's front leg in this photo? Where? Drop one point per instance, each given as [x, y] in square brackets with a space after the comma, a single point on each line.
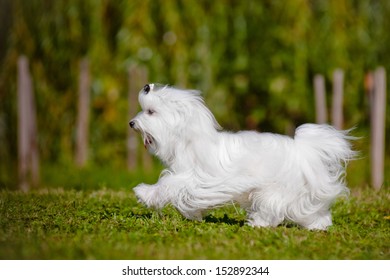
[151, 195]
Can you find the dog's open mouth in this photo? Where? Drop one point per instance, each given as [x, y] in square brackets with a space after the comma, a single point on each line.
[148, 140]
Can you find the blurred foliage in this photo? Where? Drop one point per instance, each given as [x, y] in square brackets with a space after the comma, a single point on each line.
[254, 61]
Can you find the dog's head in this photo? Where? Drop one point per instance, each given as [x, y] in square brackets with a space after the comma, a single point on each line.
[171, 117]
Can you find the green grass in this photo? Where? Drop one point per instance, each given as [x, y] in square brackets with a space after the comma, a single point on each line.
[109, 224]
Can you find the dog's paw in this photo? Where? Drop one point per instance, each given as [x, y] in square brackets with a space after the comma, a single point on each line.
[145, 194]
[256, 219]
[320, 222]
[141, 193]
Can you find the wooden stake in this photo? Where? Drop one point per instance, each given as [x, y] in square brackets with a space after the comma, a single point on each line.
[82, 131]
[138, 77]
[337, 103]
[28, 156]
[378, 114]
[320, 99]
[132, 97]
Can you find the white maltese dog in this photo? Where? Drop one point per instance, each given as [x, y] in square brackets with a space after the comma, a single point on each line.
[273, 177]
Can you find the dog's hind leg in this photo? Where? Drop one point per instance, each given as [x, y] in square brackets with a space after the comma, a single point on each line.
[263, 211]
[259, 219]
[318, 221]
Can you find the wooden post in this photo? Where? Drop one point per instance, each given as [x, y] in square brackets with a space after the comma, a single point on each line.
[28, 156]
[132, 97]
[138, 77]
[147, 162]
[83, 114]
[378, 115]
[34, 155]
[320, 99]
[337, 102]
[24, 87]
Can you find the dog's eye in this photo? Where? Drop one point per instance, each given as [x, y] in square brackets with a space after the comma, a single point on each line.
[149, 112]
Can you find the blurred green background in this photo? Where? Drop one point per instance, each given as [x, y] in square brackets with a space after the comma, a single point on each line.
[254, 61]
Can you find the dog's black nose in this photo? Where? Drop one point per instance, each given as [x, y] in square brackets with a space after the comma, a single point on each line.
[146, 88]
[132, 124]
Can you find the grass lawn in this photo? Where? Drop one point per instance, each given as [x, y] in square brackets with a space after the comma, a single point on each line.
[108, 223]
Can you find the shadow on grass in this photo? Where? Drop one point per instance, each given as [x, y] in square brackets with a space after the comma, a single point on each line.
[225, 219]
[232, 221]
[141, 216]
[208, 219]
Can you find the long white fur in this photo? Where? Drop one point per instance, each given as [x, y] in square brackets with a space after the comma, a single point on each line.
[273, 177]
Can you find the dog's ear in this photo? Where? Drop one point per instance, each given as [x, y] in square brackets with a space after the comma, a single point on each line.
[146, 88]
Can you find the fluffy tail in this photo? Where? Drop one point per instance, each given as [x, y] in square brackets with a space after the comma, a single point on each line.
[324, 153]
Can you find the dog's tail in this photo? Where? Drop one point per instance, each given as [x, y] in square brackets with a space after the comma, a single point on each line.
[324, 153]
